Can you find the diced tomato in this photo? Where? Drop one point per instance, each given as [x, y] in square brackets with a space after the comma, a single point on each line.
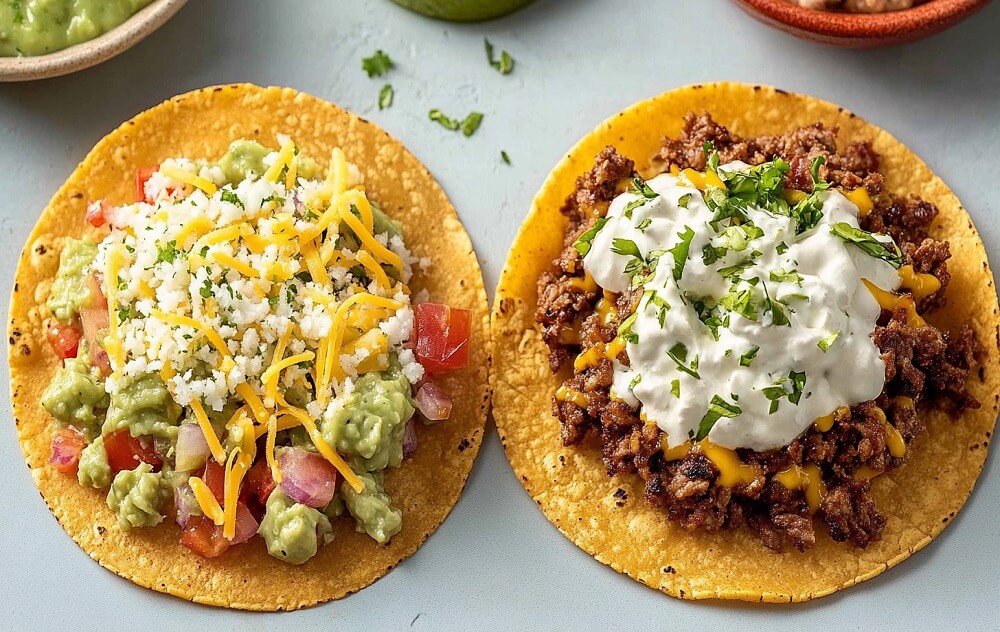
[204, 537]
[97, 213]
[141, 176]
[442, 337]
[95, 321]
[214, 476]
[97, 298]
[126, 452]
[258, 483]
[67, 445]
[65, 339]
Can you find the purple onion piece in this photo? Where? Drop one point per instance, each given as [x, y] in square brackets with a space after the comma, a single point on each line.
[409, 440]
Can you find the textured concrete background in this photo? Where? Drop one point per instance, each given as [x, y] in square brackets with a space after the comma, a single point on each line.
[496, 563]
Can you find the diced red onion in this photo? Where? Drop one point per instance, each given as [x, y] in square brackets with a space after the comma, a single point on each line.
[409, 440]
[432, 402]
[246, 525]
[184, 503]
[192, 449]
[307, 477]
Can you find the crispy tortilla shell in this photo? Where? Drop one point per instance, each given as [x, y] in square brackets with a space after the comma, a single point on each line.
[607, 516]
[201, 124]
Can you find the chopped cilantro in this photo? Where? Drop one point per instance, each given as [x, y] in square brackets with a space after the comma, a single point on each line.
[644, 193]
[644, 224]
[675, 388]
[781, 248]
[445, 121]
[680, 251]
[747, 358]
[504, 157]
[791, 276]
[584, 241]
[635, 381]
[377, 65]
[684, 199]
[717, 409]
[206, 289]
[230, 196]
[625, 330]
[661, 305]
[710, 315]
[385, 96]
[504, 65]
[789, 388]
[168, 253]
[740, 301]
[472, 123]
[886, 251]
[827, 341]
[625, 247]
[678, 353]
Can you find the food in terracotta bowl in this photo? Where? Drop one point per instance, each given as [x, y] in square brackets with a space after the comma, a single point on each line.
[861, 23]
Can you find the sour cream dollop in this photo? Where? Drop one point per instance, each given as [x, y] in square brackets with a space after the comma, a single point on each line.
[755, 331]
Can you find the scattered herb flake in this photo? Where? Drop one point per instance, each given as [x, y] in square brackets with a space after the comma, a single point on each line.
[504, 157]
[377, 65]
[717, 409]
[385, 96]
[472, 123]
[678, 353]
[826, 342]
[886, 251]
[504, 65]
[584, 241]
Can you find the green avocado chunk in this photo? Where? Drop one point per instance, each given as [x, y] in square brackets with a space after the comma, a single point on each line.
[93, 469]
[370, 424]
[38, 27]
[69, 293]
[245, 160]
[291, 530]
[137, 495]
[75, 394]
[372, 508]
[145, 408]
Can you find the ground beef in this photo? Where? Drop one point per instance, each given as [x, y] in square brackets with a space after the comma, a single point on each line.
[924, 366]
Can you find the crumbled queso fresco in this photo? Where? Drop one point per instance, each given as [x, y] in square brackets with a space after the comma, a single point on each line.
[228, 260]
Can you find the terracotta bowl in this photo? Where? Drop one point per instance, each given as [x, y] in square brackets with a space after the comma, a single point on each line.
[855, 30]
[90, 53]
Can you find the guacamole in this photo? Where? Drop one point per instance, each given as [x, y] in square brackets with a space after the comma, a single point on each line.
[69, 292]
[136, 497]
[372, 509]
[93, 470]
[291, 530]
[145, 408]
[76, 395]
[370, 424]
[38, 27]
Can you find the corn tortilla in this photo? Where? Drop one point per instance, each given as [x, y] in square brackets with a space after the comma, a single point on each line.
[608, 517]
[201, 124]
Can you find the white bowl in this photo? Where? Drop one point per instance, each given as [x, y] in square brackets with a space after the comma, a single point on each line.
[92, 52]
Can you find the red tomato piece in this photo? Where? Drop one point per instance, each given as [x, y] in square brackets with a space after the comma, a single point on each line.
[214, 476]
[67, 445]
[64, 339]
[141, 176]
[96, 320]
[258, 483]
[204, 537]
[442, 337]
[97, 213]
[126, 452]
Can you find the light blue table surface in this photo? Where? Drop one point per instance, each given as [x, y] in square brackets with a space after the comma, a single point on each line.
[496, 563]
